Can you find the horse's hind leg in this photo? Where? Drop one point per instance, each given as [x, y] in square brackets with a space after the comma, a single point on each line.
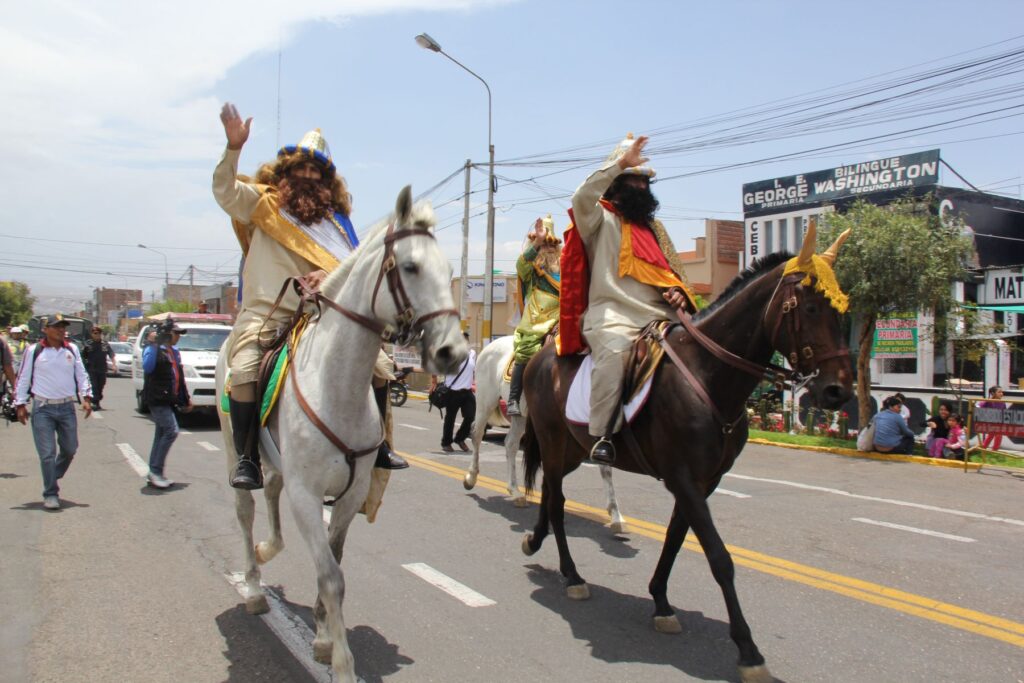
[665, 620]
[308, 512]
[515, 435]
[695, 508]
[617, 523]
[479, 430]
[245, 510]
[532, 542]
[272, 485]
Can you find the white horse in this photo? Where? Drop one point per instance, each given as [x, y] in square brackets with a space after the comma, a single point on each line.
[491, 387]
[332, 366]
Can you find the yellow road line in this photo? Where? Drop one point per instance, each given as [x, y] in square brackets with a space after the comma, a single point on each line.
[962, 618]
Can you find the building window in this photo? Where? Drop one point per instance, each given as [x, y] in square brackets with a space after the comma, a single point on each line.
[783, 234]
[899, 366]
[799, 230]
[769, 244]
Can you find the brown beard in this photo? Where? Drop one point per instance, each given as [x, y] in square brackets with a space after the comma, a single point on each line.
[308, 200]
[549, 260]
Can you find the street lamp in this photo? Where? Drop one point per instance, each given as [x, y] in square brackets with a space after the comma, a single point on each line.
[167, 278]
[123, 278]
[428, 43]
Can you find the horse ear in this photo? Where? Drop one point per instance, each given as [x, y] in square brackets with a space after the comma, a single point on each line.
[807, 250]
[403, 207]
[831, 253]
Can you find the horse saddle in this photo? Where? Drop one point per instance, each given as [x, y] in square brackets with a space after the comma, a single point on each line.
[507, 375]
[642, 361]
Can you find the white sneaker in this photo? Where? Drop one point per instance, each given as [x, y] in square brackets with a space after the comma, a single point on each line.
[158, 481]
[51, 503]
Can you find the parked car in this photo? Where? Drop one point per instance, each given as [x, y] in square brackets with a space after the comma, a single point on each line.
[122, 364]
[199, 349]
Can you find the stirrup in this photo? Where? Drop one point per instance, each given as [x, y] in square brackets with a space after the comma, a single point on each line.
[603, 451]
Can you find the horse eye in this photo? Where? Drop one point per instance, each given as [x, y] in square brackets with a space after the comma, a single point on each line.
[410, 268]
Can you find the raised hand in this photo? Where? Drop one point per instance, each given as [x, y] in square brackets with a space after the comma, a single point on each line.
[634, 156]
[536, 234]
[235, 129]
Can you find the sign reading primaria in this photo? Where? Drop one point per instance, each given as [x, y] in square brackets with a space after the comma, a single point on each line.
[895, 336]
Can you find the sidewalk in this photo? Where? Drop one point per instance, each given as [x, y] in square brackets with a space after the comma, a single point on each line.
[872, 455]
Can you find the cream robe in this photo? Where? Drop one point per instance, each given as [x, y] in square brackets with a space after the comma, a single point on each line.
[619, 307]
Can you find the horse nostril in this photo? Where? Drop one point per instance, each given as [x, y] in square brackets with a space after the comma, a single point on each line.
[834, 395]
[444, 355]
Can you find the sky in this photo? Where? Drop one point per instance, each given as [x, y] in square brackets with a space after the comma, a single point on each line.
[109, 112]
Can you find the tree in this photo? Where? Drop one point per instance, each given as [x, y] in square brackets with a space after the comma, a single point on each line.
[899, 257]
[16, 303]
[172, 305]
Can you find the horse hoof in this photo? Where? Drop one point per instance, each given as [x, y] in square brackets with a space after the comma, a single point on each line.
[578, 592]
[669, 624]
[322, 651]
[265, 552]
[618, 528]
[520, 502]
[756, 674]
[469, 481]
[257, 604]
[527, 549]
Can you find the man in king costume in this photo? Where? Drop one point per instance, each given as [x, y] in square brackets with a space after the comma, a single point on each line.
[635, 278]
[291, 220]
[539, 284]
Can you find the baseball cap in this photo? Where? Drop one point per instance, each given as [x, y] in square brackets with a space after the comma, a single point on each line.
[55, 319]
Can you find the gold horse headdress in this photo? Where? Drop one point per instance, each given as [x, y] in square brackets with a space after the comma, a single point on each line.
[820, 267]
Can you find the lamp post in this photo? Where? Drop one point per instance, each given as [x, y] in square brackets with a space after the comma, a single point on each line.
[428, 43]
[167, 278]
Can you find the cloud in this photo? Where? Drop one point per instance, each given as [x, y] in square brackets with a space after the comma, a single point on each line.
[113, 101]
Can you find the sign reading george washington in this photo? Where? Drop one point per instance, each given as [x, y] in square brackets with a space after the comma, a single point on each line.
[1008, 421]
[891, 173]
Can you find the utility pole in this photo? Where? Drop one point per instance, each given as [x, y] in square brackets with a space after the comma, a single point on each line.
[191, 282]
[463, 308]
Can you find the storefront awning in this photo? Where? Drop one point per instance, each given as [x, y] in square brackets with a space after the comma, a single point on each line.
[1005, 308]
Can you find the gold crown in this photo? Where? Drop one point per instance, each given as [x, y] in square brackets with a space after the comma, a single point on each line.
[621, 149]
[314, 145]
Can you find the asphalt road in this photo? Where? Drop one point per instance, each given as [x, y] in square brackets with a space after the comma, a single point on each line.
[847, 569]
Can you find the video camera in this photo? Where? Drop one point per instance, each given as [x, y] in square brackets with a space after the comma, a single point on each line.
[166, 329]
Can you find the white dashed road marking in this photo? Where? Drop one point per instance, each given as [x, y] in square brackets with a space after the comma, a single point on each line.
[422, 429]
[182, 431]
[925, 532]
[891, 501]
[97, 416]
[449, 585]
[207, 445]
[734, 494]
[137, 463]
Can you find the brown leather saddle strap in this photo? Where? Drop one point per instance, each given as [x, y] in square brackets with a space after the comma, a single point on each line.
[727, 356]
[350, 454]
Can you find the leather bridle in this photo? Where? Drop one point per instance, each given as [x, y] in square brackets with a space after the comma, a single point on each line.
[408, 328]
[769, 371]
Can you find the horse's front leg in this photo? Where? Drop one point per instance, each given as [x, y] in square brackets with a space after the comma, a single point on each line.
[695, 509]
[617, 524]
[665, 619]
[307, 508]
[512, 439]
[342, 515]
[272, 484]
[245, 511]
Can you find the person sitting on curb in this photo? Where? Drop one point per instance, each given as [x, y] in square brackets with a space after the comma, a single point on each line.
[892, 435]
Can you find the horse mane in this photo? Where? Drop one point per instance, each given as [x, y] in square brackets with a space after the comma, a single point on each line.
[422, 217]
[740, 282]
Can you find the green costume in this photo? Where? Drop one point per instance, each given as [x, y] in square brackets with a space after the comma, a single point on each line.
[539, 291]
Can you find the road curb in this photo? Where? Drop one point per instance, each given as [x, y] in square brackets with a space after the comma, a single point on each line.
[890, 457]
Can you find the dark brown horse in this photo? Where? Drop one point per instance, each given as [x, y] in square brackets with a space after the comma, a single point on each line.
[684, 440]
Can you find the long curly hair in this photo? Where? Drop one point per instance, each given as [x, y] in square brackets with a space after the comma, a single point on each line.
[274, 172]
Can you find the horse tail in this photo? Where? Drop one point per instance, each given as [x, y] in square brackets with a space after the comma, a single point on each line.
[531, 455]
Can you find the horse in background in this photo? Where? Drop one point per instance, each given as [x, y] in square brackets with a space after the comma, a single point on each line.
[491, 389]
[693, 428]
[397, 282]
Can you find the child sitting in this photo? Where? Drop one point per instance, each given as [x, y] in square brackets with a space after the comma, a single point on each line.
[956, 445]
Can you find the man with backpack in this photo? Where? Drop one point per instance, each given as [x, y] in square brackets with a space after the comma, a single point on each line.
[53, 376]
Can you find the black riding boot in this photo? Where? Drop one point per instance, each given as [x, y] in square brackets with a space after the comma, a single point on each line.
[248, 474]
[515, 390]
[603, 451]
[387, 459]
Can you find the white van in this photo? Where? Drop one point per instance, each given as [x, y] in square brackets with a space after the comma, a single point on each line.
[199, 350]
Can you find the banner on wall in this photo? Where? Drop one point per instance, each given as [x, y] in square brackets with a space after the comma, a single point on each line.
[895, 336]
[1007, 420]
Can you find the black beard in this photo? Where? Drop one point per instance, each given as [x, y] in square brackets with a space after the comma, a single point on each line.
[636, 205]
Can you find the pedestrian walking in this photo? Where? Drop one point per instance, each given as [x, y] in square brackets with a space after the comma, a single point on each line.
[18, 344]
[53, 376]
[460, 400]
[95, 354]
[164, 390]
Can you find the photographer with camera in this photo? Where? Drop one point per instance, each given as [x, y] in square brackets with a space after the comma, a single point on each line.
[164, 389]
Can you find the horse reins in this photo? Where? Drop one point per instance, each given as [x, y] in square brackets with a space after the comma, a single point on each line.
[408, 327]
[769, 371]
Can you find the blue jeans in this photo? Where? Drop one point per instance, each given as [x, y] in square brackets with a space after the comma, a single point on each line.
[48, 422]
[164, 436]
